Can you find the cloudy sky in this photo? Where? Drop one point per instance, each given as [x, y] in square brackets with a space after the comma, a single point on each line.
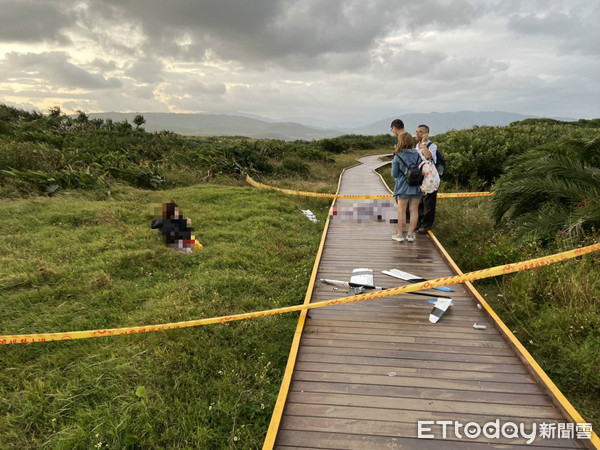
[334, 61]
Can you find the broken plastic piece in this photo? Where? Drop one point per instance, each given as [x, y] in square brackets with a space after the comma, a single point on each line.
[440, 307]
[308, 213]
[362, 277]
[396, 273]
[355, 290]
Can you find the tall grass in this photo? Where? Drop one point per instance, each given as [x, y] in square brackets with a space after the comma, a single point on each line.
[554, 311]
[75, 262]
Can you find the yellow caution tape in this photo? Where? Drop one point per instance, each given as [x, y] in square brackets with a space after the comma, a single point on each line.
[311, 194]
[464, 194]
[457, 279]
[384, 196]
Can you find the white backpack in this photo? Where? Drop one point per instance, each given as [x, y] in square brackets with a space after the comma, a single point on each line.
[431, 177]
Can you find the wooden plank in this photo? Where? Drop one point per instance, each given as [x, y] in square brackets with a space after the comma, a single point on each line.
[428, 340]
[316, 326]
[423, 383]
[418, 331]
[403, 430]
[415, 363]
[314, 382]
[405, 327]
[399, 354]
[397, 415]
[379, 342]
[364, 401]
[414, 311]
[324, 440]
[425, 373]
[402, 327]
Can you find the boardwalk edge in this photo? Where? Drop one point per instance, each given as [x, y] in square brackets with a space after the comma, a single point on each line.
[557, 397]
[289, 369]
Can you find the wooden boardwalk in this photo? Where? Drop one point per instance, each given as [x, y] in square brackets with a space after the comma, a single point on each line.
[365, 373]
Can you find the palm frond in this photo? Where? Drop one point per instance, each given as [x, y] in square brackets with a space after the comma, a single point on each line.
[552, 188]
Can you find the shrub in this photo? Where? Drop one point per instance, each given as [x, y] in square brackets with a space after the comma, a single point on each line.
[294, 167]
[333, 146]
[552, 188]
[476, 157]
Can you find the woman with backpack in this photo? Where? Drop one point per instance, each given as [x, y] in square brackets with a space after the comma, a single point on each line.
[407, 189]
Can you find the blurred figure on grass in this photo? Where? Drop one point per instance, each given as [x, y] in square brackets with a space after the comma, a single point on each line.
[176, 231]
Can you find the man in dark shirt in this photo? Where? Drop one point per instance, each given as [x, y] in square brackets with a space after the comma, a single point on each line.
[428, 202]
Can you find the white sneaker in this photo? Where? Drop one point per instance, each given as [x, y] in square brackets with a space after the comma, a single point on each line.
[410, 237]
[398, 238]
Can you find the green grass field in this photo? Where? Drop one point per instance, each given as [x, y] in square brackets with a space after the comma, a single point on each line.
[74, 262]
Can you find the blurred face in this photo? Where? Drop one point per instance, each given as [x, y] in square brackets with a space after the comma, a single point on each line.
[421, 133]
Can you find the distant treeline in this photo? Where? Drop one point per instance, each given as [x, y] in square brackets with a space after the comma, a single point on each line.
[477, 157]
[47, 153]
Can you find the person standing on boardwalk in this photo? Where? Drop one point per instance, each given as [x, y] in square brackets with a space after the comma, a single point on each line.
[405, 155]
[398, 127]
[428, 201]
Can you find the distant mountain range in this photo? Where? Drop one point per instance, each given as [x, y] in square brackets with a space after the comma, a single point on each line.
[254, 127]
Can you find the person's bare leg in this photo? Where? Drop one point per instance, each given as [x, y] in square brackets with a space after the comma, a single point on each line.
[402, 215]
[414, 214]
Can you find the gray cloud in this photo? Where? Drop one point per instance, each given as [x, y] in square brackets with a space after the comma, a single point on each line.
[335, 58]
[208, 23]
[102, 65]
[54, 68]
[443, 15]
[468, 68]
[146, 70]
[196, 88]
[33, 21]
[287, 32]
[574, 30]
[553, 23]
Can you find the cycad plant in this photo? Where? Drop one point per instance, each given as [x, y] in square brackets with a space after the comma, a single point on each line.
[552, 188]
